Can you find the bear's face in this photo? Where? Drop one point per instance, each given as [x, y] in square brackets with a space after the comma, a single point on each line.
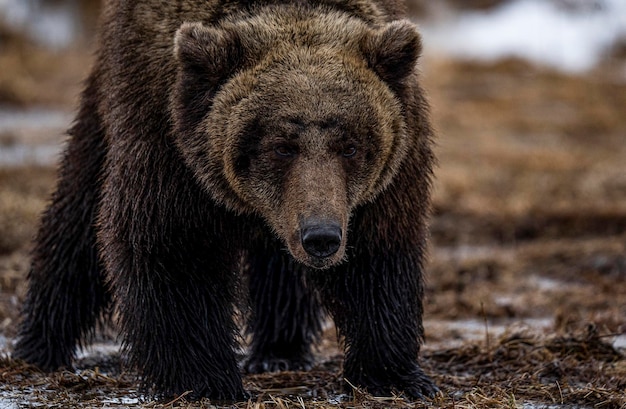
[300, 132]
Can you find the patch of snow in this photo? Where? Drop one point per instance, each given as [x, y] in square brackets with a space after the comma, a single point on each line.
[20, 155]
[573, 39]
[620, 342]
[53, 25]
[14, 119]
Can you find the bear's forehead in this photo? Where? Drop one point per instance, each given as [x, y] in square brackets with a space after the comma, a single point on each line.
[303, 92]
[314, 97]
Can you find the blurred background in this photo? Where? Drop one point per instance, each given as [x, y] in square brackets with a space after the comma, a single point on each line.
[529, 102]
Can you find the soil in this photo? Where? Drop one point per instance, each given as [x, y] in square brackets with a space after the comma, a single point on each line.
[526, 295]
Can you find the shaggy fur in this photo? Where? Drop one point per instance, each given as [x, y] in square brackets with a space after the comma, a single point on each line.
[292, 134]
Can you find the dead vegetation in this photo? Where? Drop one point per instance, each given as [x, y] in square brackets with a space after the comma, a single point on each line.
[34, 75]
[578, 369]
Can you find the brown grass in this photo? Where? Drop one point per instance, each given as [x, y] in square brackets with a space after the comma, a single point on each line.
[571, 369]
[33, 75]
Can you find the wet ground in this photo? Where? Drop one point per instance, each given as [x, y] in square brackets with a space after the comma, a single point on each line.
[526, 296]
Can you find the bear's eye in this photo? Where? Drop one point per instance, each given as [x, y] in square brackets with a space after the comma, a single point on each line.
[285, 151]
[349, 151]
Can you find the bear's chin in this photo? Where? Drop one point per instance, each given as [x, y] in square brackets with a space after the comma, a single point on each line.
[317, 263]
[322, 263]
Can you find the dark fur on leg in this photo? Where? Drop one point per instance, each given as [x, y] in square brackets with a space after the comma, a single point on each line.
[174, 279]
[67, 293]
[381, 323]
[286, 317]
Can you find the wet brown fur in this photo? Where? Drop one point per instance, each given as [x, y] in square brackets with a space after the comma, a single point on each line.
[173, 171]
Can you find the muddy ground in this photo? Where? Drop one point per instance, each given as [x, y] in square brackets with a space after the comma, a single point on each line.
[526, 296]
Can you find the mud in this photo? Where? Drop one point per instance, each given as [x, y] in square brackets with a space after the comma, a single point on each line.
[526, 295]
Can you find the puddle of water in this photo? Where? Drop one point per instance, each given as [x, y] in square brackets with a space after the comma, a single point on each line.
[32, 136]
[122, 400]
[474, 327]
[20, 155]
[476, 330]
[35, 118]
[38, 398]
[465, 252]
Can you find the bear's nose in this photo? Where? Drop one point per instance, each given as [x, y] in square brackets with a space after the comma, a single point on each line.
[321, 240]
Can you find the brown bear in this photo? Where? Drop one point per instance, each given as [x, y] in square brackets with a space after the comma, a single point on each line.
[282, 144]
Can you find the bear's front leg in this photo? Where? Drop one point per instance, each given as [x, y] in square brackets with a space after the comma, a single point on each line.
[376, 301]
[377, 307]
[173, 281]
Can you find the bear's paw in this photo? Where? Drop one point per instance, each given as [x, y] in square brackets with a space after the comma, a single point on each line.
[265, 364]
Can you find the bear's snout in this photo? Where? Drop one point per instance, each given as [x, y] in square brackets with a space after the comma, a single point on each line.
[321, 239]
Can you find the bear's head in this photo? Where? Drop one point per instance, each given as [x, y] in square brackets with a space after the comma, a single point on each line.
[296, 118]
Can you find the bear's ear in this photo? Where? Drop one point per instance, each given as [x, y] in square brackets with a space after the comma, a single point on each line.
[211, 53]
[392, 52]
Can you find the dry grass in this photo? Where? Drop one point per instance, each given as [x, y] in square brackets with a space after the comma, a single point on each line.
[33, 75]
[23, 198]
[572, 369]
